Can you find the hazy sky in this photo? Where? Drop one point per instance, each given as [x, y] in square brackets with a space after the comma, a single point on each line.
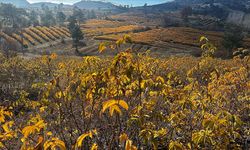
[129, 2]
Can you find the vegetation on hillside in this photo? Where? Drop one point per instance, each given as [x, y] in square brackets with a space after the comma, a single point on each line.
[129, 101]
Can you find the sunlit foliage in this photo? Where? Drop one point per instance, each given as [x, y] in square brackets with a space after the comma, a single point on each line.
[129, 101]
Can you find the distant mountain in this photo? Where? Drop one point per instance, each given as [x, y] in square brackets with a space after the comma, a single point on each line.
[17, 3]
[138, 2]
[221, 11]
[205, 5]
[241, 5]
[49, 4]
[87, 4]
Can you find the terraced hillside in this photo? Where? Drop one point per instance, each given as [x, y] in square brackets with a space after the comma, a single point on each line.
[171, 40]
[34, 36]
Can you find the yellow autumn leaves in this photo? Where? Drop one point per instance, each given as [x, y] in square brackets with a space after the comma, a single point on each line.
[131, 101]
[53, 144]
[114, 46]
[80, 139]
[4, 113]
[7, 133]
[114, 106]
[124, 140]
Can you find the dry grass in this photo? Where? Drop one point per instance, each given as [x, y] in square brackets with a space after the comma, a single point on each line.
[95, 23]
[113, 30]
[178, 35]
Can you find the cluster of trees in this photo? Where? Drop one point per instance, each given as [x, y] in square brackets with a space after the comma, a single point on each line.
[13, 17]
[58, 17]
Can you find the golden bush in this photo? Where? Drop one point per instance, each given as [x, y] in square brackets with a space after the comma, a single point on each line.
[129, 101]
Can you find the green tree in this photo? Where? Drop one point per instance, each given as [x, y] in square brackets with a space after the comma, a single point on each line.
[33, 18]
[233, 38]
[76, 33]
[78, 14]
[47, 18]
[60, 17]
[11, 15]
[91, 14]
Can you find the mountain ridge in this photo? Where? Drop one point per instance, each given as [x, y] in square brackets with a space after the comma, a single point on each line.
[86, 4]
[17, 3]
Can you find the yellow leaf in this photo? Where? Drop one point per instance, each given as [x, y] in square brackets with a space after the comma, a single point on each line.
[114, 108]
[102, 47]
[153, 93]
[3, 113]
[39, 144]
[7, 125]
[108, 104]
[128, 145]
[42, 109]
[123, 104]
[94, 146]
[28, 130]
[127, 38]
[1, 145]
[80, 139]
[123, 137]
[133, 147]
[203, 38]
[49, 133]
[160, 79]
[120, 42]
[58, 95]
[174, 145]
[53, 144]
[89, 94]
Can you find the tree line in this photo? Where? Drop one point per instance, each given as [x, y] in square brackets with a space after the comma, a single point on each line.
[13, 17]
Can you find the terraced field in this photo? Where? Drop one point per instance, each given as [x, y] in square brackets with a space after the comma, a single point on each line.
[163, 41]
[178, 35]
[34, 36]
[96, 23]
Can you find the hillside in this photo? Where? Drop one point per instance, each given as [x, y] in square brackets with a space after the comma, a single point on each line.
[206, 14]
[18, 3]
[241, 5]
[138, 2]
[43, 3]
[98, 5]
[49, 4]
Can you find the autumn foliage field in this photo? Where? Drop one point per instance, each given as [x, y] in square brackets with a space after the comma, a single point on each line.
[127, 101]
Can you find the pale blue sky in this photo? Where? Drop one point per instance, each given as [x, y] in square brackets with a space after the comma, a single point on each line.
[129, 2]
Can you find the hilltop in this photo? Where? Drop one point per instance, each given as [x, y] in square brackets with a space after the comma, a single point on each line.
[86, 4]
